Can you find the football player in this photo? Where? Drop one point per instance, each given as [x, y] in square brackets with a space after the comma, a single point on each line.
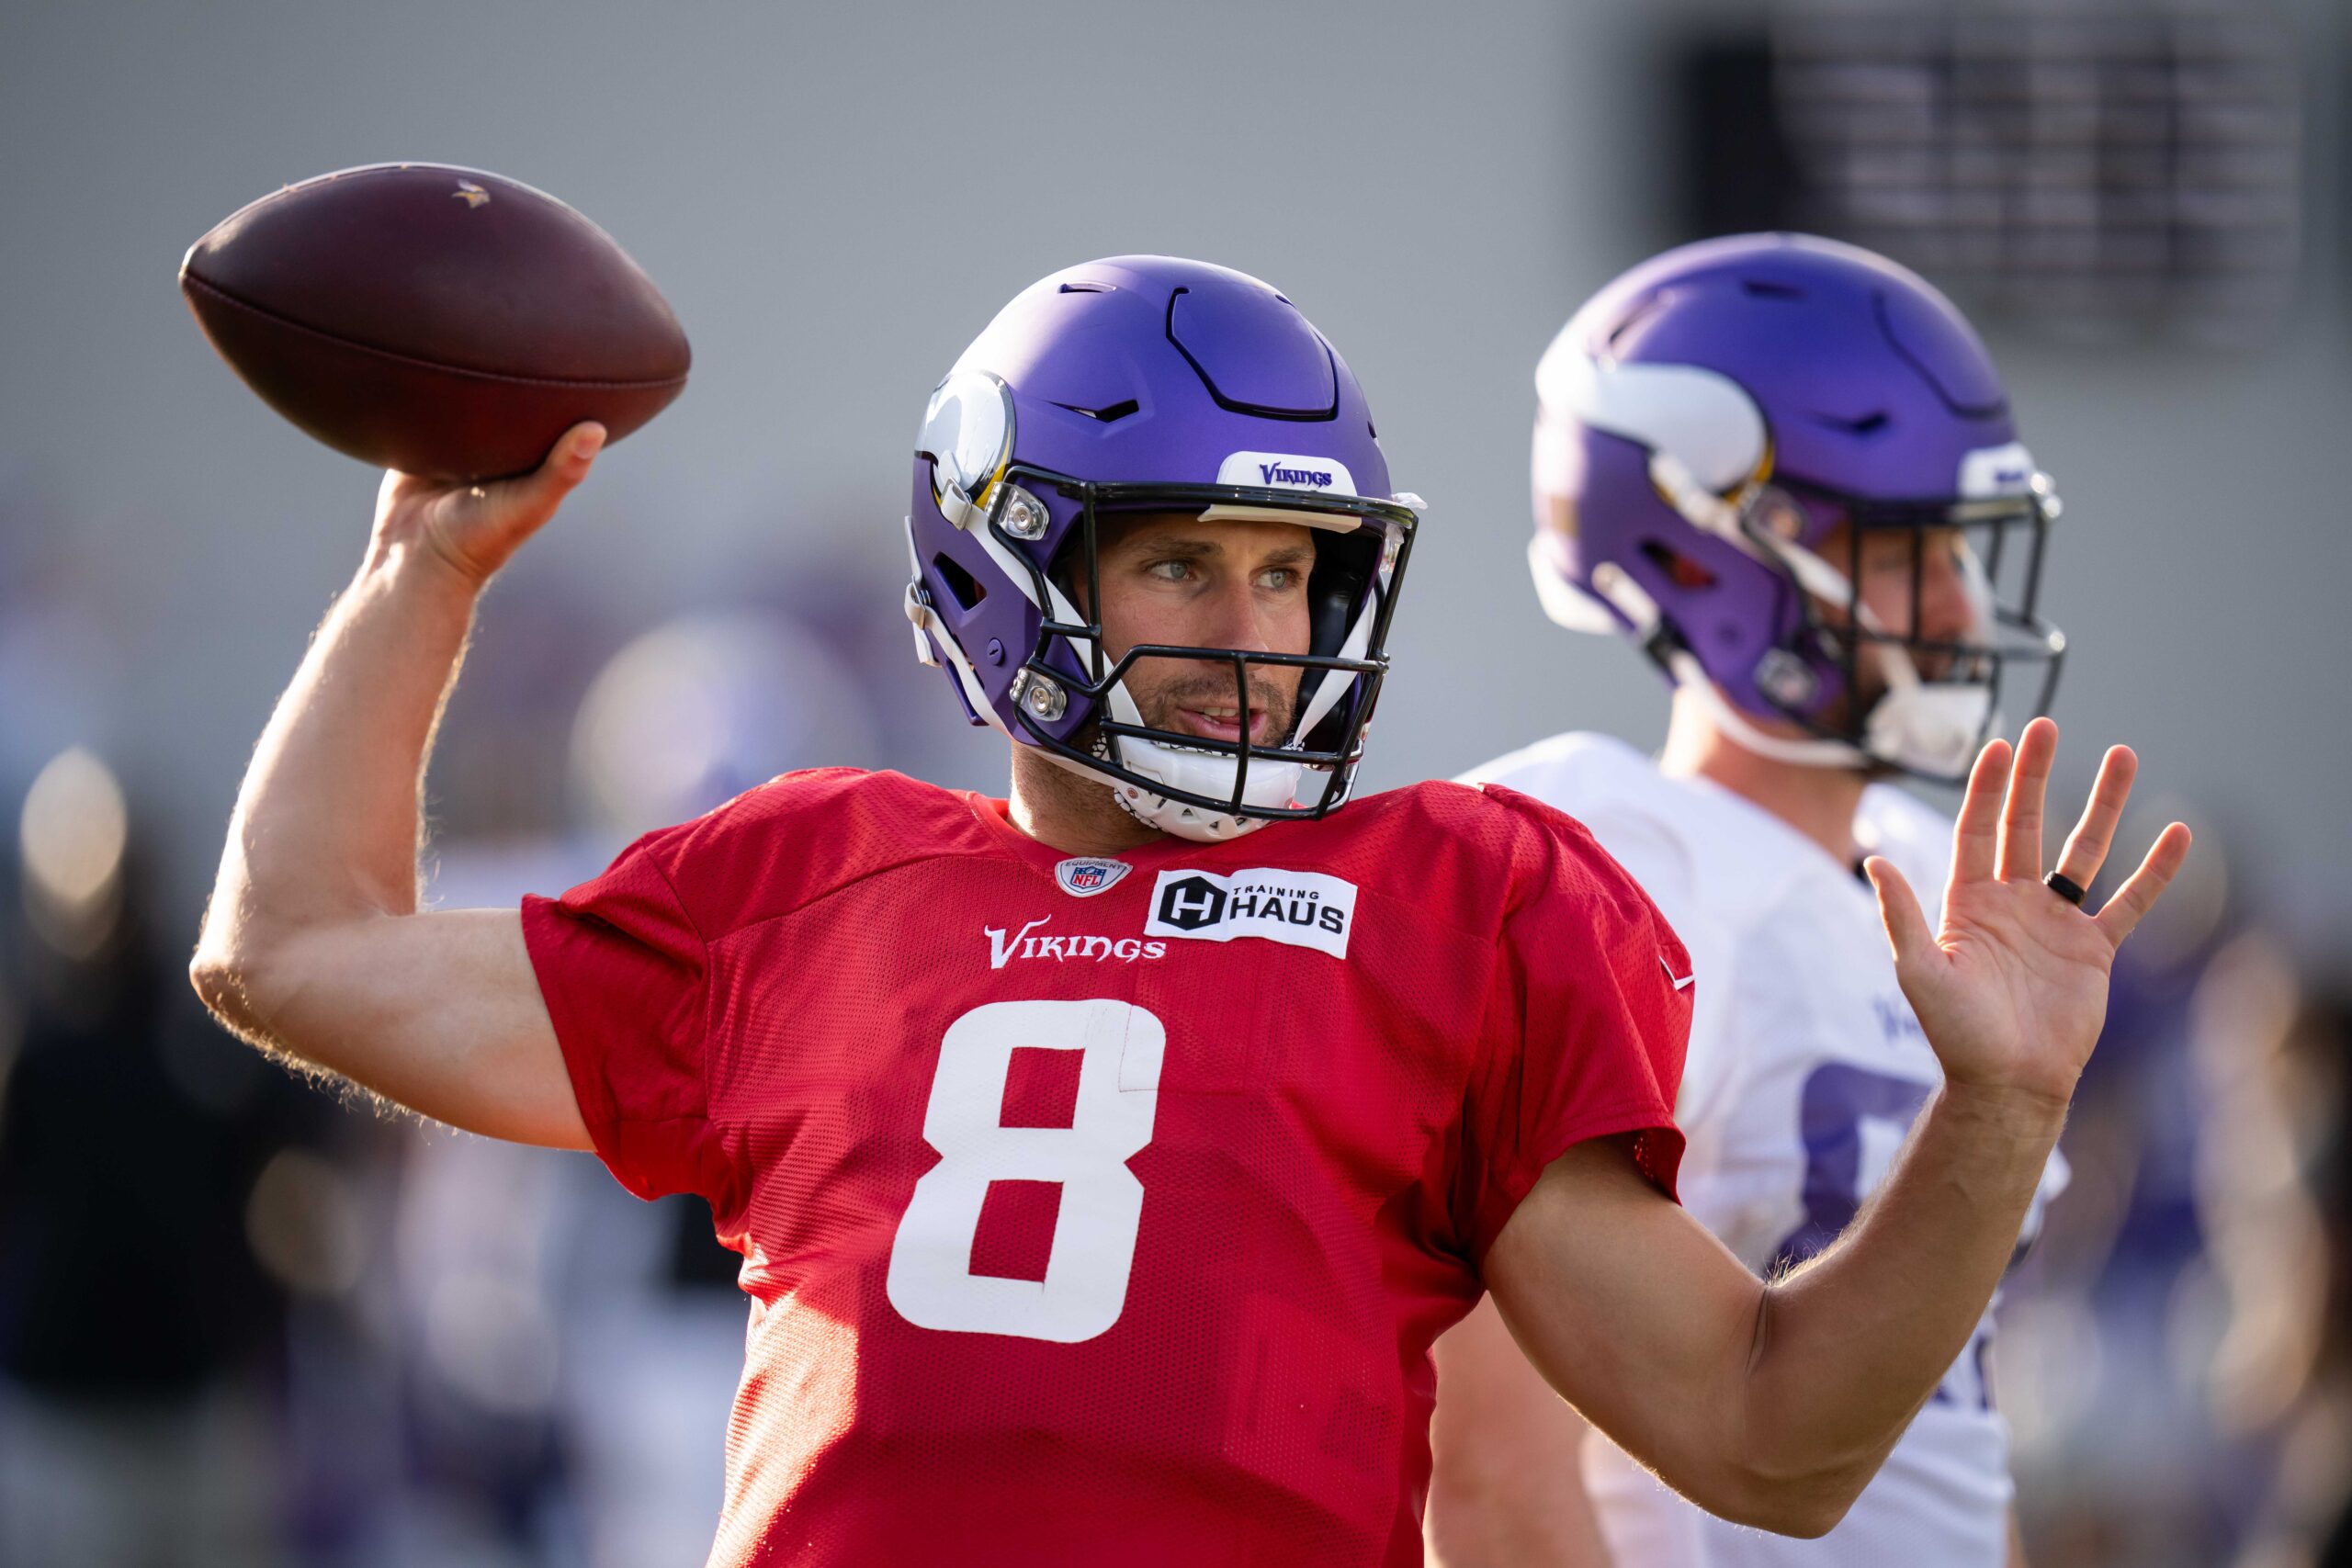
[1105, 1158]
[1786, 470]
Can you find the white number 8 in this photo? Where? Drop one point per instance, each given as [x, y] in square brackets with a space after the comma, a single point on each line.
[1085, 1287]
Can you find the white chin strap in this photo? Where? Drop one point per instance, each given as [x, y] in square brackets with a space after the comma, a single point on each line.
[1271, 785]
[1914, 725]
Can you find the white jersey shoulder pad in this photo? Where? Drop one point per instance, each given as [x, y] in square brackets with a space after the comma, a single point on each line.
[1694, 845]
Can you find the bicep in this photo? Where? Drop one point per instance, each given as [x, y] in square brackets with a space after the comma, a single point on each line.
[440, 1012]
[1638, 1317]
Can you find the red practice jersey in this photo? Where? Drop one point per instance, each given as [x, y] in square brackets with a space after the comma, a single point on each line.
[1103, 1210]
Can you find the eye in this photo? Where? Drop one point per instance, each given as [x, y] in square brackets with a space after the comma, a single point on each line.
[1170, 570]
[1278, 579]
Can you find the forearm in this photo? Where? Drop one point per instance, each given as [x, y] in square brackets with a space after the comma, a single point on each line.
[327, 823]
[1849, 1347]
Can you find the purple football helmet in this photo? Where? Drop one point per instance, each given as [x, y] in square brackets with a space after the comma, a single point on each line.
[1148, 383]
[1712, 419]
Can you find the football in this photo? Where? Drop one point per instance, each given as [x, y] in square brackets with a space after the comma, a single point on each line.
[443, 321]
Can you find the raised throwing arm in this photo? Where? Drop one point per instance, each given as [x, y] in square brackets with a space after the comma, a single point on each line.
[312, 944]
[1774, 1403]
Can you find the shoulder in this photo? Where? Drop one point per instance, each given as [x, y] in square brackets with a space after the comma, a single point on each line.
[801, 835]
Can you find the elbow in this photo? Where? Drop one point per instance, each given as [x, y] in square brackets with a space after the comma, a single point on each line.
[1781, 1473]
[1803, 1511]
[231, 971]
[223, 980]
[1806, 1505]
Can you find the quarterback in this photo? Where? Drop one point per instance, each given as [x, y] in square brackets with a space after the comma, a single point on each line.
[1105, 1160]
[1833, 553]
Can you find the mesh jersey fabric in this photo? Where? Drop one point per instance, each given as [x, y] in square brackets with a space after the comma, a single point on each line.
[1805, 1066]
[1109, 1226]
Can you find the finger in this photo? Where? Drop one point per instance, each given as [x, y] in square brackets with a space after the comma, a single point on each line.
[2022, 817]
[1973, 832]
[1898, 909]
[2138, 895]
[2087, 846]
[537, 494]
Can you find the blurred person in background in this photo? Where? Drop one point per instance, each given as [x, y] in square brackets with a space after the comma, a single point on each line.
[2274, 1196]
[1786, 470]
[150, 1205]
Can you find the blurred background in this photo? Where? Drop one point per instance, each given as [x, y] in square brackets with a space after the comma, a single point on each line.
[242, 1322]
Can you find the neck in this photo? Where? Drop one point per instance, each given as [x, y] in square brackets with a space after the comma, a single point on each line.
[1072, 813]
[1819, 803]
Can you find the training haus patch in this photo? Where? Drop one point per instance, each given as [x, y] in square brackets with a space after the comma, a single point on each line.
[1305, 909]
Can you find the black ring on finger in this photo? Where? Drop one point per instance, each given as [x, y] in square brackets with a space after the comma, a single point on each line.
[2066, 887]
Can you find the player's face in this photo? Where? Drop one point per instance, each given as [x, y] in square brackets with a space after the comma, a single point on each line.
[1170, 578]
[1884, 577]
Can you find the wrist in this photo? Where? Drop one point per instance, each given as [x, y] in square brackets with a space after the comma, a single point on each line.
[2020, 1110]
[414, 557]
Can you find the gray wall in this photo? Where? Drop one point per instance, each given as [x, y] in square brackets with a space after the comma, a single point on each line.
[835, 199]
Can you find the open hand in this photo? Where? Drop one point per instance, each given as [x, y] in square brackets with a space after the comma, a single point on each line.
[474, 527]
[2012, 991]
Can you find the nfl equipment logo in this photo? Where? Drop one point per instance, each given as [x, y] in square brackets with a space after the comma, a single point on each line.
[1085, 876]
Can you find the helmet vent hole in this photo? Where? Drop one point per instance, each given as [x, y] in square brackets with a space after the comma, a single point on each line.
[1680, 570]
[1086, 288]
[1769, 288]
[968, 589]
[1869, 424]
[1110, 413]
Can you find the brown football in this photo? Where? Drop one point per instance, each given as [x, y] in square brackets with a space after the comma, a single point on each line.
[443, 321]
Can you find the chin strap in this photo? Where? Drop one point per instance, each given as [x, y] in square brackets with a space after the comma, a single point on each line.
[1179, 819]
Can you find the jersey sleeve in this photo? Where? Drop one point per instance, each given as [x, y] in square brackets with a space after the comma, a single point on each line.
[1585, 1024]
[623, 969]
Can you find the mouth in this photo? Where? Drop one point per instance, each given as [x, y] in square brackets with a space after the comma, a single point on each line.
[1224, 722]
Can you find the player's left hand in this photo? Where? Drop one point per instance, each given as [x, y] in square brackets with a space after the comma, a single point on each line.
[2012, 991]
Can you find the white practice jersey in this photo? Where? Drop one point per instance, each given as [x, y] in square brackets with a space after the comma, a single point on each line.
[1806, 1069]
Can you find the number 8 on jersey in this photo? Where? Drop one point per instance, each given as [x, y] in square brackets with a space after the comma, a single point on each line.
[931, 1282]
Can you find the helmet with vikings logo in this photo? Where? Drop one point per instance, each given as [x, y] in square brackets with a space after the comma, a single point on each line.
[1714, 421]
[1150, 383]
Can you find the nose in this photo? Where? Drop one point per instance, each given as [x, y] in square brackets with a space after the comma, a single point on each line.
[1947, 612]
[1234, 616]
